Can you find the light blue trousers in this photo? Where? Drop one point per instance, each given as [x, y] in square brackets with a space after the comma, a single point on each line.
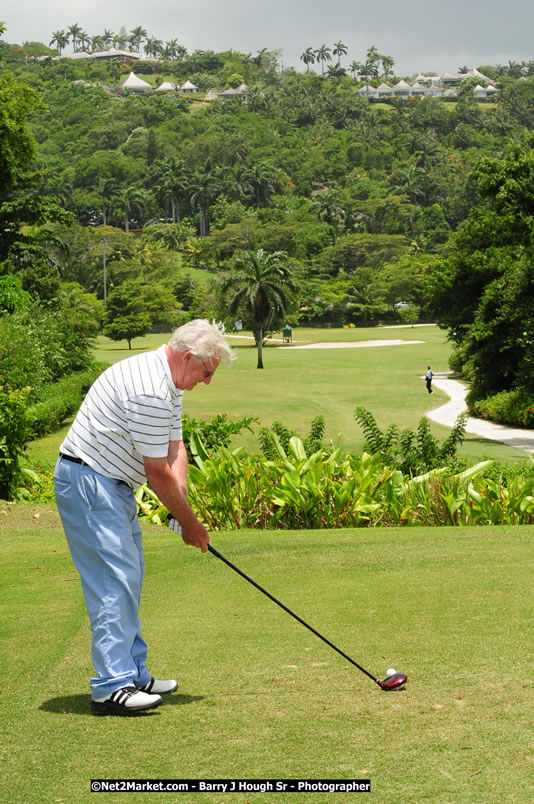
[104, 537]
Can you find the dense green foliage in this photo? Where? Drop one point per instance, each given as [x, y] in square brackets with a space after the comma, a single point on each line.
[484, 292]
[372, 204]
[332, 489]
[411, 452]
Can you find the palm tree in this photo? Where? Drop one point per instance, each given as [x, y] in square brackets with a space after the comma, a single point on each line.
[130, 199]
[136, 36]
[170, 50]
[387, 66]
[120, 40]
[107, 37]
[339, 50]
[106, 188]
[172, 183]
[323, 54]
[261, 284]
[204, 188]
[411, 181]
[97, 43]
[335, 71]
[83, 39]
[261, 178]
[153, 46]
[355, 67]
[74, 32]
[308, 57]
[60, 40]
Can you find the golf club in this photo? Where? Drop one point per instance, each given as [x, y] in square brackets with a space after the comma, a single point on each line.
[396, 681]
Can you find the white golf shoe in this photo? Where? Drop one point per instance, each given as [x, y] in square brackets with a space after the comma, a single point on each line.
[126, 701]
[160, 687]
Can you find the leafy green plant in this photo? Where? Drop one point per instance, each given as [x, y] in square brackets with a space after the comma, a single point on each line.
[311, 443]
[13, 435]
[411, 452]
[214, 433]
[60, 400]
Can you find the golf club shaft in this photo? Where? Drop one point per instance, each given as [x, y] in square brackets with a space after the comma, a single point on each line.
[296, 617]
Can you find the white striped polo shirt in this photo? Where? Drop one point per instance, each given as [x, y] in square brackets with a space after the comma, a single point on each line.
[132, 410]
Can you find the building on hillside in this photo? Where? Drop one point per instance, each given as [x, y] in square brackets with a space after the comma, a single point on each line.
[367, 91]
[188, 88]
[418, 89]
[484, 92]
[401, 90]
[135, 85]
[166, 86]
[384, 90]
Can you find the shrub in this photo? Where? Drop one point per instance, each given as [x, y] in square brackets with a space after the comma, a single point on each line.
[214, 433]
[60, 400]
[312, 442]
[514, 408]
[411, 452]
[13, 435]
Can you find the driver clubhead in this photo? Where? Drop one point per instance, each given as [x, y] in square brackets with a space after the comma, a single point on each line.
[395, 682]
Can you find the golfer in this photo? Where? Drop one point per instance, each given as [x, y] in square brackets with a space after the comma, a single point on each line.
[428, 379]
[128, 430]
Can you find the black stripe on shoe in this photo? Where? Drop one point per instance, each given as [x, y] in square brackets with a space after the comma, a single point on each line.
[148, 687]
[116, 704]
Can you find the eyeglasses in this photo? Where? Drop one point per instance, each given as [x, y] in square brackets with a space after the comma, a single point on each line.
[207, 373]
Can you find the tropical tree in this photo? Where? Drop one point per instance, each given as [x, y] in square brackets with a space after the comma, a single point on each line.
[260, 284]
[261, 178]
[59, 40]
[131, 199]
[97, 43]
[107, 37]
[329, 207]
[74, 32]
[323, 54]
[355, 67]
[136, 36]
[387, 66]
[106, 188]
[339, 50]
[153, 46]
[308, 57]
[171, 183]
[204, 188]
[125, 317]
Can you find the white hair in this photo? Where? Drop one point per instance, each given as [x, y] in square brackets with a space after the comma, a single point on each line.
[204, 339]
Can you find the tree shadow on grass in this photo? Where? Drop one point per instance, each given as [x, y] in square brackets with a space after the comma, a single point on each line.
[80, 704]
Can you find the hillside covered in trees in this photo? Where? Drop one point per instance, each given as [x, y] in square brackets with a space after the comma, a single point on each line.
[141, 207]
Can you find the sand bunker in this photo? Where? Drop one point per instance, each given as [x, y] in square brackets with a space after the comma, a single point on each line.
[352, 344]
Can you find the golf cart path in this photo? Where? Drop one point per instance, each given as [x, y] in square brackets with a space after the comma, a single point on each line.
[447, 414]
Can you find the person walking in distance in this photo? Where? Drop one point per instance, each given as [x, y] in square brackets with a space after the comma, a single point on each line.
[127, 431]
[428, 379]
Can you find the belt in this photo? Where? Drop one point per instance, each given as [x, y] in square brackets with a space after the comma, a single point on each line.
[72, 459]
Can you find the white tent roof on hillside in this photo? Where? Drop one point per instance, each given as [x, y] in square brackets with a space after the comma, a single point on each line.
[473, 72]
[188, 86]
[166, 87]
[134, 83]
[402, 85]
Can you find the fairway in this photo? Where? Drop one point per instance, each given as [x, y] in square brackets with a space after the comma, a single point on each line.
[262, 697]
[298, 384]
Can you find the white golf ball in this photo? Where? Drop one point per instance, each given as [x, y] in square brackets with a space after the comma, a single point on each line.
[391, 672]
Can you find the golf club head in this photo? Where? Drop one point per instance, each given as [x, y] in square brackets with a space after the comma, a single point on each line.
[396, 682]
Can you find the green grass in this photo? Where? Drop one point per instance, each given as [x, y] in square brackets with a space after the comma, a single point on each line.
[259, 695]
[298, 384]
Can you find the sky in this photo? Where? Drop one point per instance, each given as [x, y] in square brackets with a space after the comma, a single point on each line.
[421, 36]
